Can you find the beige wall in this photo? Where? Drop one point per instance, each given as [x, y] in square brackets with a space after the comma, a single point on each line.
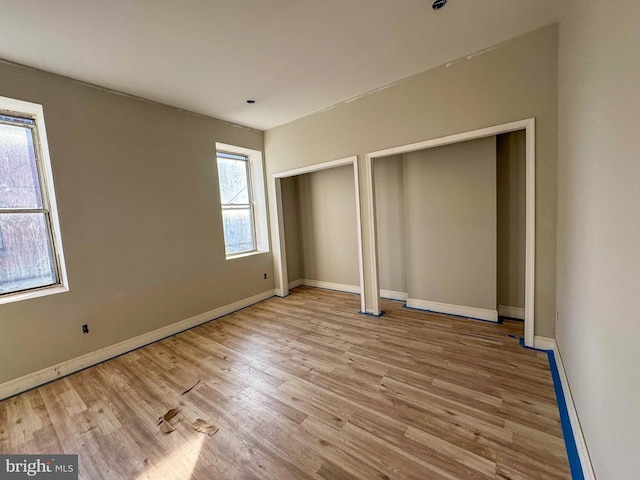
[599, 227]
[511, 164]
[328, 226]
[514, 81]
[140, 219]
[389, 188]
[389, 193]
[450, 217]
[292, 228]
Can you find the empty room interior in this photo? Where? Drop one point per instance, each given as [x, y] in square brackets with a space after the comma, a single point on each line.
[328, 240]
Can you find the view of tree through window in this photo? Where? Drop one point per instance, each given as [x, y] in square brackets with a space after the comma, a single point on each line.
[237, 203]
[26, 253]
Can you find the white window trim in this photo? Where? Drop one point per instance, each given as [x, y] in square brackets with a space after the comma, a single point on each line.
[49, 198]
[256, 182]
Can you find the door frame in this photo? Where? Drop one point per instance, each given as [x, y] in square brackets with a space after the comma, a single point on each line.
[530, 218]
[280, 253]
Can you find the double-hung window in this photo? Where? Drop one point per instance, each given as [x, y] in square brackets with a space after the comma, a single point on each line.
[30, 251]
[240, 177]
[238, 217]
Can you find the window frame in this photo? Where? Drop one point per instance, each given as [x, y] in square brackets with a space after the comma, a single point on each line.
[257, 198]
[22, 109]
[240, 206]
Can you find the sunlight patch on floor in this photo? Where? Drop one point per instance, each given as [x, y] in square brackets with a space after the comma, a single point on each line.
[179, 465]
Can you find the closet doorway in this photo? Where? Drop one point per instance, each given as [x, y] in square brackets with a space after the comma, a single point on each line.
[528, 126]
[280, 249]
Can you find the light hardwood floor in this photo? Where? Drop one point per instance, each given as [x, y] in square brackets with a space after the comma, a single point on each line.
[304, 387]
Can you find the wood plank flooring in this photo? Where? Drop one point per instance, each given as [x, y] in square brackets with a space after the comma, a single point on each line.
[304, 387]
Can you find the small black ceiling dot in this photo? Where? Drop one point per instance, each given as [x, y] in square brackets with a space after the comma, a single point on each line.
[438, 4]
[251, 101]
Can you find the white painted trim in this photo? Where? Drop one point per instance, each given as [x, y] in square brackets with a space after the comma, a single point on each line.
[461, 310]
[28, 294]
[511, 312]
[32, 380]
[279, 245]
[340, 287]
[49, 199]
[279, 251]
[356, 179]
[315, 168]
[246, 254]
[455, 138]
[545, 343]
[393, 295]
[257, 184]
[530, 234]
[372, 287]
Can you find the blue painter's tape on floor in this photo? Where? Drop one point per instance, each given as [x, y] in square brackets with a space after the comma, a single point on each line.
[371, 314]
[565, 422]
[567, 431]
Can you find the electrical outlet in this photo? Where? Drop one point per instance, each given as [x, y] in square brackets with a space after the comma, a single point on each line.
[265, 276]
[85, 328]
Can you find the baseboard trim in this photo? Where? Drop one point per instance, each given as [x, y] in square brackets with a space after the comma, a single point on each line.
[460, 310]
[511, 312]
[580, 445]
[340, 287]
[343, 287]
[392, 295]
[35, 379]
[544, 343]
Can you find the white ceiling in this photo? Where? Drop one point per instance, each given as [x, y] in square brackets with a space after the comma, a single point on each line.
[294, 57]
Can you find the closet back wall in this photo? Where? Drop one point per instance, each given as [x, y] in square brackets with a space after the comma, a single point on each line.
[450, 216]
[320, 226]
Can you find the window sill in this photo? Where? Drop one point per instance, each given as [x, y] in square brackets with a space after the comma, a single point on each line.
[40, 292]
[248, 254]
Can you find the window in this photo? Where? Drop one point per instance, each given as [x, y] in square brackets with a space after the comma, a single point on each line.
[242, 198]
[30, 251]
[237, 204]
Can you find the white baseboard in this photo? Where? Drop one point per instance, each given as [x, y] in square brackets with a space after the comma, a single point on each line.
[545, 343]
[341, 287]
[292, 285]
[461, 310]
[511, 312]
[390, 294]
[32, 380]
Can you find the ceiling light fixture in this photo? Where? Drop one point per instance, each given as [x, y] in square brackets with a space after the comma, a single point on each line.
[438, 4]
